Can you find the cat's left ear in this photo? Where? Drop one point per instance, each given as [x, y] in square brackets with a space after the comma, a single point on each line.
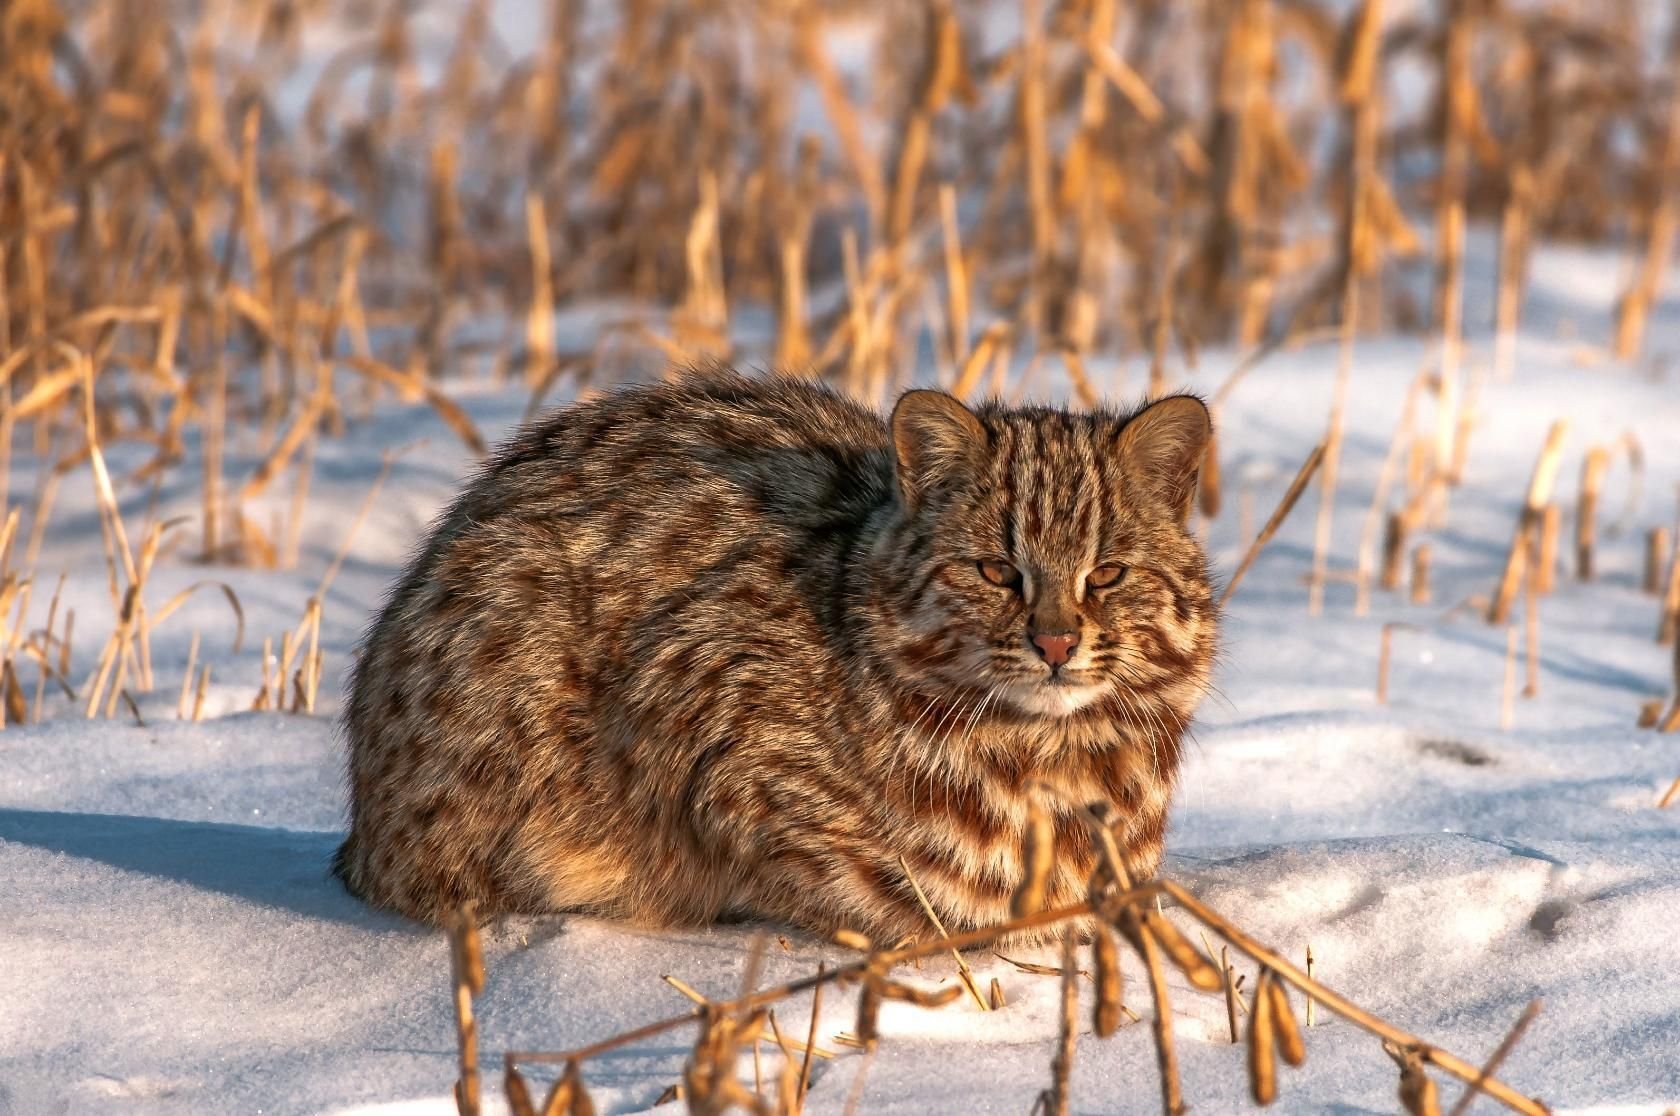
[935, 440]
[1162, 448]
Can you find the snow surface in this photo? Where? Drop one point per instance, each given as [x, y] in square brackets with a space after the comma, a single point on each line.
[173, 942]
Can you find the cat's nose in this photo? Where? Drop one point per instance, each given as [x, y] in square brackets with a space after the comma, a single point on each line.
[1055, 648]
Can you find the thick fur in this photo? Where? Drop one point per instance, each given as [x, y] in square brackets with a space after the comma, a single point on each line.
[721, 648]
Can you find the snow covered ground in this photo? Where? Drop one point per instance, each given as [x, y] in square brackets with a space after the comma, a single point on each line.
[172, 941]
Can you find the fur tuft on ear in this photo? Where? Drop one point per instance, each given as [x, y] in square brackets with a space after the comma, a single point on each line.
[1162, 446]
[935, 439]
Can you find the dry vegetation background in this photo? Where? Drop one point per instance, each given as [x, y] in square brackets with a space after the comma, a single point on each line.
[248, 220]
[240, 224]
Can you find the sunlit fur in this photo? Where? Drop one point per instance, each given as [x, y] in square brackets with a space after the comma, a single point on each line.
[722, 647]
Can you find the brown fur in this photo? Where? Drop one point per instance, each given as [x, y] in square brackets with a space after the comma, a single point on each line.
[722, 647]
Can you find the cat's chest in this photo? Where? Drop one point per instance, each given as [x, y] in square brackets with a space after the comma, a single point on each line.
[1002, 769]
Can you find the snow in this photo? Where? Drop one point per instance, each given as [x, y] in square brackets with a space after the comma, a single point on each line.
[174, 943]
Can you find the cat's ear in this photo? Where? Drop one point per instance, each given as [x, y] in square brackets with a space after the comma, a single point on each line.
[935, 439]
[1162, 448]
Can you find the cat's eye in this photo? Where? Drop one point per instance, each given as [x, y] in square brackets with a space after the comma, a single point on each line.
[1105, 576]
[999, 572]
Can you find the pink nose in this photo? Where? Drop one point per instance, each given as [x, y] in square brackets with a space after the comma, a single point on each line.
[1056, 647]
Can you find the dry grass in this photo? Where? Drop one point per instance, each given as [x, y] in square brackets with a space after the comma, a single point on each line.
[1120, 905]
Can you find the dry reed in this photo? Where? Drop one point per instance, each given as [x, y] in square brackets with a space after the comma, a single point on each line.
[1529, 521]
[1116, 900]
[1279, 514]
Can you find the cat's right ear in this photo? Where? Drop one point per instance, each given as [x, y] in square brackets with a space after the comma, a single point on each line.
[935, 439]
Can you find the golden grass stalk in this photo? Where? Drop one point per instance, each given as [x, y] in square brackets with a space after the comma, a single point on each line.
[1656, 556]
[1359, 115]
[841, 113]
[199, 695]
[811, 1035]
[1197, 969]
[1285, 506]
[570, 1090]
[1038, 858]
[1208, 492]
[992, 342]
[1531, 628]
[1311, 1005]
[866, 1028]
[963, 970]
[181, 708]
[1111, 988]
[1262, 1042]
[1593, 467]
[1670, 796]
[1290, 1044]
[1539, 495]
[268, 664]
[1082, 389]
[1123, 905]
[1661, 222]
[943, 73]
[1034, 95]
[1669, 625]
[956, 274]
[1551, 530]
[15, 707]
[1393, 550]
[1061, 1067]
[1166, 1055]
[518, 1094]
[539, 320]
[466, 960]
[1230, 981]
[1497, 1058]
[1513, 264]
[1418, 1095]
[1396, 525]
[1283, 970]
[1671, 722]
[43, 657]
[684, 987]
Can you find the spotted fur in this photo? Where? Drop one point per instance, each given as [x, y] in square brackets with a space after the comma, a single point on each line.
[722, 648]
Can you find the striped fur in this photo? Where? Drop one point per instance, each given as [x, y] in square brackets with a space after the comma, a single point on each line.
[721, 648]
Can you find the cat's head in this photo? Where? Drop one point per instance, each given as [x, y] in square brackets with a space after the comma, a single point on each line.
[1042, 555]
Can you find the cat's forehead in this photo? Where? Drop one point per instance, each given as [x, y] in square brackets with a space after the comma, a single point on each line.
[1028, 434]
[1057, 465]
[1053, 485]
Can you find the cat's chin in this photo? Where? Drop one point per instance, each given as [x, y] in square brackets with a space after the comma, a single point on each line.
[1053, 699]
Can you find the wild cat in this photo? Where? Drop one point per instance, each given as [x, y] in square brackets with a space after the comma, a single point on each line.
[728, 648]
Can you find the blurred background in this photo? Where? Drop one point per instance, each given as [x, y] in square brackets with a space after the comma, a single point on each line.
[263, 216]
[234, 229]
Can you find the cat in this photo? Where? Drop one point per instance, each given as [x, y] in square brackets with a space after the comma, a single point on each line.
[728, 648]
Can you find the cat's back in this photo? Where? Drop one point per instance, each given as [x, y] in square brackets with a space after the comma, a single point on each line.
[711, 442]
[600, 512]
[652, 485]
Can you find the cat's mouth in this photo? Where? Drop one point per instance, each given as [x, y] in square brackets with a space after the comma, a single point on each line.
[1057, 695]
